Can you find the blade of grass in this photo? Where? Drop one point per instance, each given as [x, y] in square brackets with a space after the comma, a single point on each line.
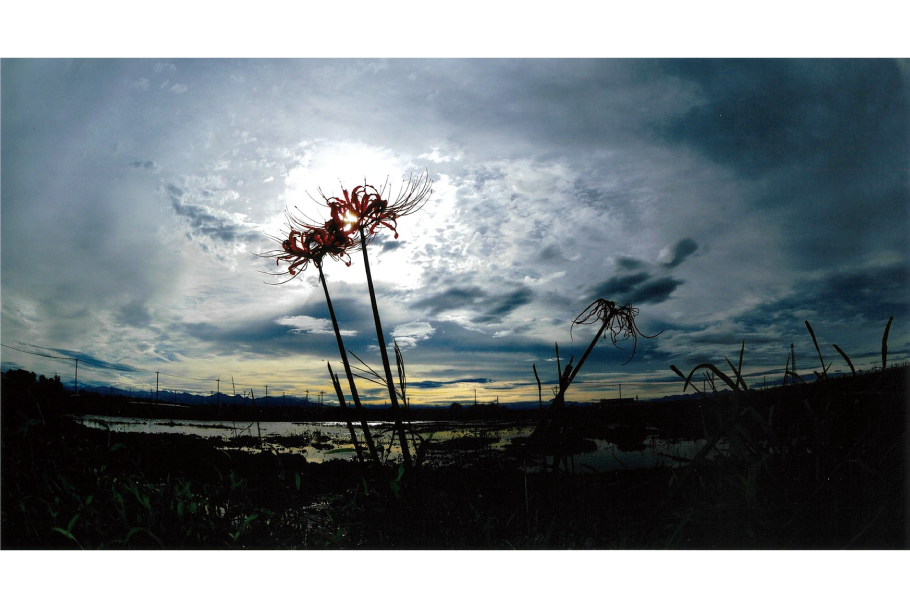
[714, 370]
[347, 414]
[539, 388]
[739, 377]
[683, 377]
[885, 343]
[739, 372]
[846, 358]
[817, 349]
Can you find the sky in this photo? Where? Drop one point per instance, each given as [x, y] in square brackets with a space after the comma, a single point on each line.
[728, 200]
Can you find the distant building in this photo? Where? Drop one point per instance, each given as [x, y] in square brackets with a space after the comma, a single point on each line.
[606, 402]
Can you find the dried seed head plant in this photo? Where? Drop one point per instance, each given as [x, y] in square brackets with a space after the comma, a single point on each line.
[619, 320]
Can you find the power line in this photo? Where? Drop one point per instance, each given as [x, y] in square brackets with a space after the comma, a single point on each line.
[207, 379]
[37, 353]
[82, 360]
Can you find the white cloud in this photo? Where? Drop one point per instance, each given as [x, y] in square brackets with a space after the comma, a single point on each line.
[309, 324]
[410, 334]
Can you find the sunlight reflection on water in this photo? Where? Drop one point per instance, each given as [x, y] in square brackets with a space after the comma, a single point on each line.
[332, 440]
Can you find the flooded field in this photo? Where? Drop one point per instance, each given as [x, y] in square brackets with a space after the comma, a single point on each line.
[447, 442]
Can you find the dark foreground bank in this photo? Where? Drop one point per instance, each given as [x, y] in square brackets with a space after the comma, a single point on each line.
[818, 465]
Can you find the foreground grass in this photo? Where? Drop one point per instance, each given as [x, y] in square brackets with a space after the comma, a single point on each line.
[818, 465]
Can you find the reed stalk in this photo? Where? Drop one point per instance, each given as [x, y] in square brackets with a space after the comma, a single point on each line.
[885, 343]
[368, 439]
[393, 397]
[347, 415]
[817, 349]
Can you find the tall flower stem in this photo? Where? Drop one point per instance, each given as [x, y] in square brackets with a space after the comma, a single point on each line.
[393, 397]
[347, 369]
[347, 415]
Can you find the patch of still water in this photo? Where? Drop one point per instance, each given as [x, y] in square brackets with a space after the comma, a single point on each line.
[332, 440]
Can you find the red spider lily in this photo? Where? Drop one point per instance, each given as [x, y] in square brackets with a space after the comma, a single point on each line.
[364, 209]
[313, 244]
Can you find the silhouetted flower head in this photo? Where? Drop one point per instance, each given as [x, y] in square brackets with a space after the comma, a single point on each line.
[618, 320]
[307, 243]
[367, 208]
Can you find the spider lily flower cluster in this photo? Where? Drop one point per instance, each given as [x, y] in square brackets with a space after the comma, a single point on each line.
[355, 218]
[365, 209]
[313, 244]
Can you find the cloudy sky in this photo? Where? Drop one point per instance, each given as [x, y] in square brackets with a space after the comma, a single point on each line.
[727, 200]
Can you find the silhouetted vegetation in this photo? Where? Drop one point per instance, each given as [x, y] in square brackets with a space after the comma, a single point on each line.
[810, 465]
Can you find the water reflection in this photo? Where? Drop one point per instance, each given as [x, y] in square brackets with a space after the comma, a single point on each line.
[449, 442]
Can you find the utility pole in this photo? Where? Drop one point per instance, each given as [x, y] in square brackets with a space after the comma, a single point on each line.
[218, 392]
[620, 391]
[266, 396]
[156, 387]
[76, 378]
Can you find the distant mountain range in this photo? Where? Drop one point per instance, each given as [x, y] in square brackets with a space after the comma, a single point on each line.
[187, 398]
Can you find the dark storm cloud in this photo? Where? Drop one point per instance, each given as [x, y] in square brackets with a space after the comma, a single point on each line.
[654, 291]
[551, 254]
[150, 165]
[451, 299]
[846, 307]
[386, 243]
[821, 146]
[579, 103]
[440, 384]
[680, 251]
[90, 360]
[629, 263]
[637, 289]
[204, 222]
[761, 115]
[503, 304]
[852, 297]
[274, 335]
[620, 285]
[491, 308]
[134, 313]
